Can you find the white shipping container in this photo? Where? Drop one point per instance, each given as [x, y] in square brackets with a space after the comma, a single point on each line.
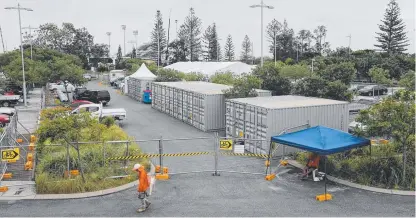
[200, 104]
[263, 93]
[264, 117]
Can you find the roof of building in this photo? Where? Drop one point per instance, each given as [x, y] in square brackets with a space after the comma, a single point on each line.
[210, 68]
[286, 101]
[197, 86]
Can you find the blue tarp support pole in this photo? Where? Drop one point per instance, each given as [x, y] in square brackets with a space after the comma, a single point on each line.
[268, 158]
[325, 175]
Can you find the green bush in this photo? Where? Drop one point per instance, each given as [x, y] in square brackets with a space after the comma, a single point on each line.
[58, 131]
[383, 168]
[108, 121]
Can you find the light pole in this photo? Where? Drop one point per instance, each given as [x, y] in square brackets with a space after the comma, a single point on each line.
[158, 42]
[262, 5]
[275, 35]
[31, 39]
[109, 43]
[2, 42]
[349, 45]
[18, 8]
[176, 22]
[135, 34]
[124, 29]
[133, 47]
[313, 59]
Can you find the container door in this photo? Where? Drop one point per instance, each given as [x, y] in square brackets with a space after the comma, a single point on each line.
[229, 118]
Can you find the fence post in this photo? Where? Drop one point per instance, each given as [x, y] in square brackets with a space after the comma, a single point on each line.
[127, 153]
[104, 154]
[216, 151]
[161, 152]
[67, 161]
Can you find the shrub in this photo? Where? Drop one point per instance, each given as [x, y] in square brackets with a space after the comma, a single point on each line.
[57, 129]
[108, 121]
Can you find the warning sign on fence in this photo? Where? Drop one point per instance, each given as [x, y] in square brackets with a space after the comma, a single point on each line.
[226, 144]
[10, 154]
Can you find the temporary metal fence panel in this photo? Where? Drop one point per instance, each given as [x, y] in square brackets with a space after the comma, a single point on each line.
[264, 117]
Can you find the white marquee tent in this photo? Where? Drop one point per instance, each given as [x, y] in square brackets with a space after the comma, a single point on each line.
[210, 68]
[142, 74]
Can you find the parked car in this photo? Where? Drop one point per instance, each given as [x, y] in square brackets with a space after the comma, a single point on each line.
[96, 96]
[61, 86]
[78, 91]
[356, 88]
[87, 76]
[371, 90]
[7, 111]
[15, 89]
[9, 100]
[98, 111]
[4, 120]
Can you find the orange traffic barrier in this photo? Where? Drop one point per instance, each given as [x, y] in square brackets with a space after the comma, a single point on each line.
[19, 140]
[4, 188]
[29, 157]
[32, 138]
[31, 146]
[165, 170]
[7, 176]
[322, 197]
[29, 165]
[74, 172]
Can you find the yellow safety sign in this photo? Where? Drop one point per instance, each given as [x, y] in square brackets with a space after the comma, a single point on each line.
[10, 154]
[226, 144]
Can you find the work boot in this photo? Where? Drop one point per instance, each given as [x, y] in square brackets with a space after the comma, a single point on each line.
[140, 210]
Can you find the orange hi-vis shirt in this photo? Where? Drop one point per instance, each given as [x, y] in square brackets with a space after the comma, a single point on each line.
[314, 161]
[143, 180]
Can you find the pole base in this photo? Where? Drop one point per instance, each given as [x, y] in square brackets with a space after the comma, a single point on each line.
[270, 177]
[162, 176]
[324, 197]
[216, 174]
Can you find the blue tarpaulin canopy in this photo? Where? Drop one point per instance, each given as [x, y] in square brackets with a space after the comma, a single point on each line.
[321, 140]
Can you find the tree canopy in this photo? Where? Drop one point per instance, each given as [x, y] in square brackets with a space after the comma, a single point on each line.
[47, 66]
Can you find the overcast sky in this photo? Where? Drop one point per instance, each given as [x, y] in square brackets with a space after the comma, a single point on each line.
[341, 17]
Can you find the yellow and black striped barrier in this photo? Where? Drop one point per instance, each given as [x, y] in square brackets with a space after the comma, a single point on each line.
[244, 154]
[185, 154]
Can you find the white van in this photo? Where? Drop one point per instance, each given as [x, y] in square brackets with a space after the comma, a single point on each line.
[115, 74]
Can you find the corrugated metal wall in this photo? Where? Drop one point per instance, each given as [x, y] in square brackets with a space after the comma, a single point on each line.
[261, 123]
[136, 87]
[205, 112]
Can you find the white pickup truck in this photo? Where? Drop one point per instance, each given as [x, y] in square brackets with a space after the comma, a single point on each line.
[9, 100]
[97, 110]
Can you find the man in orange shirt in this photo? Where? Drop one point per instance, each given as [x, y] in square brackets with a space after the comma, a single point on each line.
[142, 187]
[312, 164]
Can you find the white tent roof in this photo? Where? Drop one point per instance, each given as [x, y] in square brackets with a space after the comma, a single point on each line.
[143, 73]
[210, 68]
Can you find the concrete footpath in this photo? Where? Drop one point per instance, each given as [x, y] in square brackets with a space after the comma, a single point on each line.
[22, 190]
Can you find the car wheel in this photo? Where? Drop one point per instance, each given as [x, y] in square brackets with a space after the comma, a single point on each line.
[104, 104]
[6, 104]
